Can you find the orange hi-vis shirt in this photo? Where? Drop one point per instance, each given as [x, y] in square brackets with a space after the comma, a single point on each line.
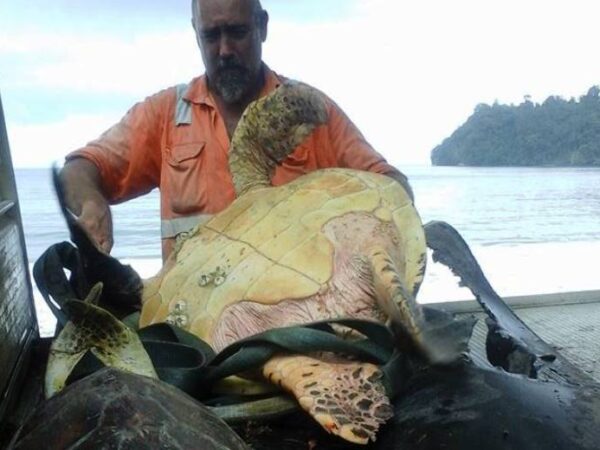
[176, 140]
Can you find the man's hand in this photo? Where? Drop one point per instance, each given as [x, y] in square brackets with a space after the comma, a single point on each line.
[81, 181]
[401, 178]
[96, 219]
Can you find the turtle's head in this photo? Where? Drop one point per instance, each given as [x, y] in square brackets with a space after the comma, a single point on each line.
[280, 122]
[290, 115]
[270, 129]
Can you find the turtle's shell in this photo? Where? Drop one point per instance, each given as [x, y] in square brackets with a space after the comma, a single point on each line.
[112, 409]
[273, 244]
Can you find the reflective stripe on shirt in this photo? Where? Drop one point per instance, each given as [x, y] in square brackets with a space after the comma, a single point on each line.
[170, 228]
[183, 108]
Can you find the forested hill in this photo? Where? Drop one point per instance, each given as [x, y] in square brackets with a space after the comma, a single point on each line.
[557, 132]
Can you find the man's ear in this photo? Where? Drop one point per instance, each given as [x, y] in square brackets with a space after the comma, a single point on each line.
[264, 22]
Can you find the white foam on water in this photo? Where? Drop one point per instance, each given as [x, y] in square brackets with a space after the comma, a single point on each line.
[524, 269]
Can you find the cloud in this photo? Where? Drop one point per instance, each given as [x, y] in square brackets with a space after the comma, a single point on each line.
[407, 73]
[40, 145]
[105, 64]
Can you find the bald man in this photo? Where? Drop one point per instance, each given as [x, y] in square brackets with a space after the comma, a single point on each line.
[178, 139]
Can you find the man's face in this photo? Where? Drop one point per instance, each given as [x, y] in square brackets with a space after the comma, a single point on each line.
[230, 37]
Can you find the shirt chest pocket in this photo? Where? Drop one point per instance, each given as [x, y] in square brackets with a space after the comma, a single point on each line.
[182, 156]
[182, 177]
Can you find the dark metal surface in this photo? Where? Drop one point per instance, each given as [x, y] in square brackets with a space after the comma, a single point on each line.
[18, 324]
[5, 206]
[30, 390]
[15, 316]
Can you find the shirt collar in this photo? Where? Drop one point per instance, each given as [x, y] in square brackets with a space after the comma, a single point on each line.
[198, 92]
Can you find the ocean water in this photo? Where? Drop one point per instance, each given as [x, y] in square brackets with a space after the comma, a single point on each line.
[533, 230]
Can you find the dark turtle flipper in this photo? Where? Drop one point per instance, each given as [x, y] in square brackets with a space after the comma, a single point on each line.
[439, 338]
[511, 344]
[122, 285]
[468, 407]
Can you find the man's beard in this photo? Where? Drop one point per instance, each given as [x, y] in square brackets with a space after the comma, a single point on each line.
[232, 80]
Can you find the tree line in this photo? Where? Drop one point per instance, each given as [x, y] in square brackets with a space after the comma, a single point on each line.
[557, 132]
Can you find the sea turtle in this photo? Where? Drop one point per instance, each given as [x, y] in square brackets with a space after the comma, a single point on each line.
[335, 243]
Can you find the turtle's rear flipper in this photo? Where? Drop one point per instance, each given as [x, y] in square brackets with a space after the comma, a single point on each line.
[434, 335]
[122, 285]
[346, 398]
[511, 344]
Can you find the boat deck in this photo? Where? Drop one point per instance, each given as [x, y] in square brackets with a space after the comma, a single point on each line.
[570, 322]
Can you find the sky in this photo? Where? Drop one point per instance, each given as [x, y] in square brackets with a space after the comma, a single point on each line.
[408, 73]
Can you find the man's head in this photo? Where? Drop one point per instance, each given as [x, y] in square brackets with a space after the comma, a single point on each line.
[230, 34]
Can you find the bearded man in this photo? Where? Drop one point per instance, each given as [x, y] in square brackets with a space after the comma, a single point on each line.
[178, 139]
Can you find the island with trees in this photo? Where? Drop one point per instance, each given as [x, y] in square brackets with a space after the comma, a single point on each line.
[557, 132]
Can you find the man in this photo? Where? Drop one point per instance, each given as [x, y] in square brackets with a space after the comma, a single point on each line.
[178, 139]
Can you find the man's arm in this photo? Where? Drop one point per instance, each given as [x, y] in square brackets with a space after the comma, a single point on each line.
[123, 163]
[83, 189]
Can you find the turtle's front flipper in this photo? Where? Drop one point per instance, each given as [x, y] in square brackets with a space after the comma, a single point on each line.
[95, 330]
[347, 398]
[440, 341]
